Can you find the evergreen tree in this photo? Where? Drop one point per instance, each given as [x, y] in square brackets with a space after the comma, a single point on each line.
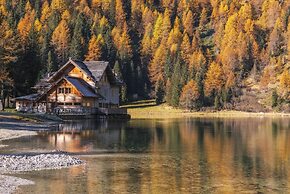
[274, 98]
[77, 42]
[159, 91]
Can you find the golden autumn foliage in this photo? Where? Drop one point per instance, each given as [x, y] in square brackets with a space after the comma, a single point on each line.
[60, 40]
[156, 67]
[189, 95]
[285, 84]
[217, 43]
[26, 23]
[94, 50]
[214, 80]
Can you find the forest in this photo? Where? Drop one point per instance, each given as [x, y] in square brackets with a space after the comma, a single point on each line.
[192, 54]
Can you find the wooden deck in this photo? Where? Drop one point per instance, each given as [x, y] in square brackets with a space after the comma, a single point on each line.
[89, 111]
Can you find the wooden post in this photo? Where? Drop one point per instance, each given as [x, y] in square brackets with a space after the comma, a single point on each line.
[46, 103]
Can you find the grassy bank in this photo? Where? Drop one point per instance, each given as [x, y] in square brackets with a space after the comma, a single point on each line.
[147, 109]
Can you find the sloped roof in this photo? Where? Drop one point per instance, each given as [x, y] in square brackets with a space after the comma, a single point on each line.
[83, 87]
[97, 68]
[31, 97]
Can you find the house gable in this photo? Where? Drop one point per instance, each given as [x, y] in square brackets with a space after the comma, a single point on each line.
[75, 69]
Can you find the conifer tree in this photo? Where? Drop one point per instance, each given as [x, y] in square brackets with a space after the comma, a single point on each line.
[60, 41]
[159, 90]
[95, 48]
[189, 95]
[77, 42]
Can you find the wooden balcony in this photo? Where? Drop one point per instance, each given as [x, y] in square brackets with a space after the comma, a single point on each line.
[75, 111]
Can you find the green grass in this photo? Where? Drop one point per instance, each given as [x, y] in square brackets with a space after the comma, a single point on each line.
[147, 109]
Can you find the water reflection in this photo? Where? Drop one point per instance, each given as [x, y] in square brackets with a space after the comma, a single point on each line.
[174, 156]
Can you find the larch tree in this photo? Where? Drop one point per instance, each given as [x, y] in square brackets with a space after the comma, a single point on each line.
[26, 24]
[285, 84]
[120, 16]
[189, 95]
[186, 51]
[214, 79]
[188, 23]
[156, 67]
[58, 5]
[95, 48]
[276, 39]
[60, 41]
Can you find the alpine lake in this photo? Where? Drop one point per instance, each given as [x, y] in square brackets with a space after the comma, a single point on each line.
[189, 155]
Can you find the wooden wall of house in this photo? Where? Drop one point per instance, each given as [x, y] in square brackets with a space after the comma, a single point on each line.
[90, 102]
[76, 72]
[73, 97]
[111, 93]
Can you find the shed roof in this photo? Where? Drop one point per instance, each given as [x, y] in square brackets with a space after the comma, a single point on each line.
[31, 97]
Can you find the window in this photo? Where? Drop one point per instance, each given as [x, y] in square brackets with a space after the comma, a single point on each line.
[77, 104]
[68, 104]
[64, 90]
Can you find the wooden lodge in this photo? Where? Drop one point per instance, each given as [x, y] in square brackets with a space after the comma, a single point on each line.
[77, 88]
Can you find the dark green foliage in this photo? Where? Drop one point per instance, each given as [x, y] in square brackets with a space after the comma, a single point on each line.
[274, 98]
[217, 103]
[124, 93]
[176, 84]
[117, 70]
[77, 44]
[159, 91]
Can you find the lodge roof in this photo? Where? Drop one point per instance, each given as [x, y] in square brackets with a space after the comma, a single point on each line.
[31, 97]
[83, 87]
[93, 69]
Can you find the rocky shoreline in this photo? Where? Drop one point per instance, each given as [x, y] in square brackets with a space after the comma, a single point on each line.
[22, 163]
[13, 164]
[11, 128]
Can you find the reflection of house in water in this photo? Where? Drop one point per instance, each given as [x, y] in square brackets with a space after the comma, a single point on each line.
[87, 136]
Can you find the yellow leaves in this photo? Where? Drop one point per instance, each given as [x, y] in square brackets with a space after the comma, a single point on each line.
[94, 50]
[197, 60]
[122, 42]
[186, 49]
[45, 13]
[28, 7]
[188, 23]
[25, 25]
[249, 26]
[266, 77]
[37, 25]
[156, 67]
[214, 79]
[245, 12]
[104, 22]
[60, 39]
[120, 16]
[223, 9]
[66, 15]
[189, 95]
[285, 81]
[58, 5]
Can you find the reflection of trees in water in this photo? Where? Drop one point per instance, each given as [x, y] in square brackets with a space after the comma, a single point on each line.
[250, 149]
[186, 156]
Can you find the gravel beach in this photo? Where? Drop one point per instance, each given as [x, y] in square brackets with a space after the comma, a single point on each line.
[9, 184]
[11, 128]
[22, 163]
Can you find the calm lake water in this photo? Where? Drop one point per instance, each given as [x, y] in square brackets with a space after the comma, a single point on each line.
[247, 155]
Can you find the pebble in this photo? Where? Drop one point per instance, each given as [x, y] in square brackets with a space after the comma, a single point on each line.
[22, 163]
